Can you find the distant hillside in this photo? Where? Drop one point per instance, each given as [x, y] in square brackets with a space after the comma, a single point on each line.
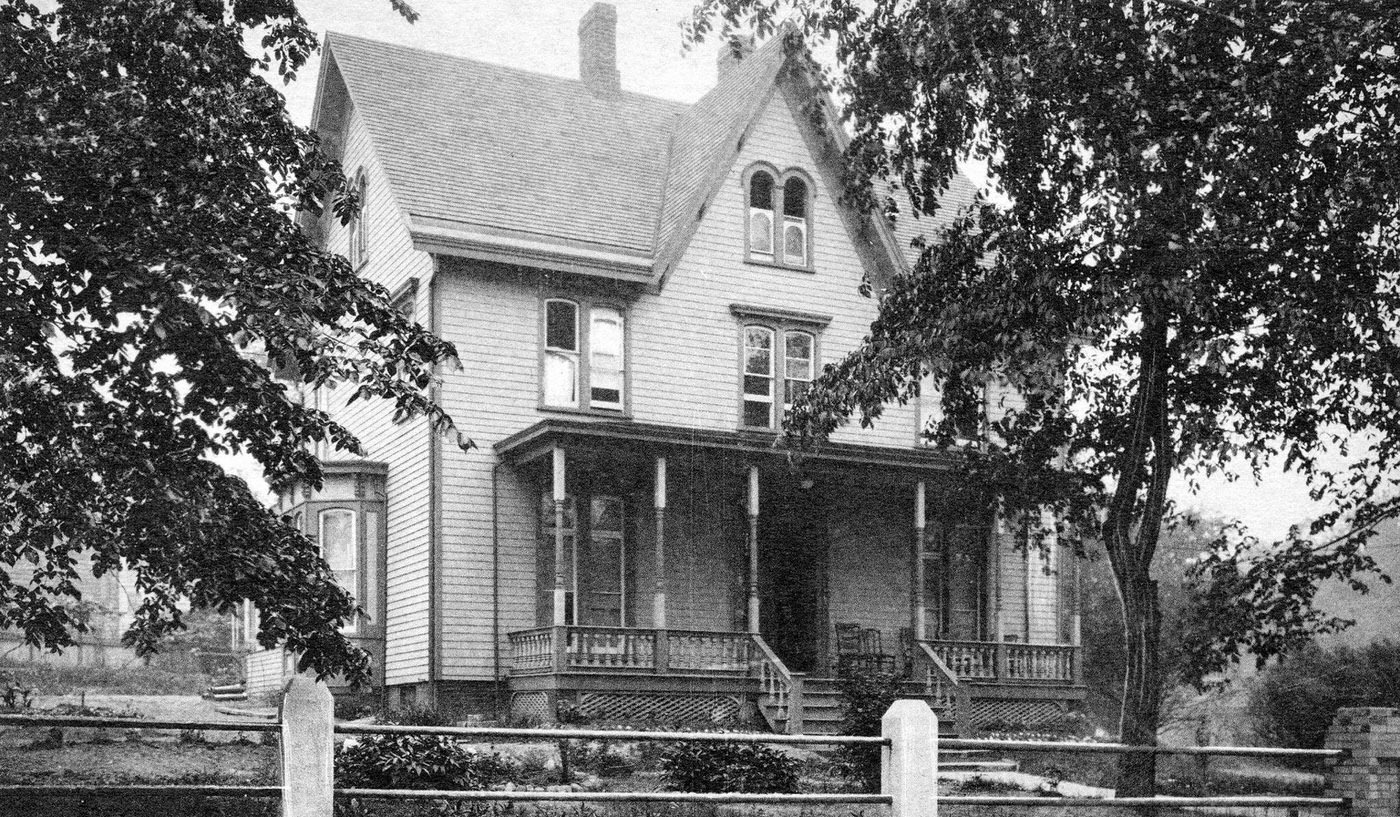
[1377, 613]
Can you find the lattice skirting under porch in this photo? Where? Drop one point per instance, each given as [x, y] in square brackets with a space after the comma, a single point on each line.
[533, 706]
[1023, 713]
[658, 707]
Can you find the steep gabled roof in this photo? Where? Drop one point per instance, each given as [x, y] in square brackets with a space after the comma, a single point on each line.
[502, 163]
[503, 150]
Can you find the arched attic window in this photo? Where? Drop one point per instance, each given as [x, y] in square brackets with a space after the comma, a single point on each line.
[779, 216]
[761, 214]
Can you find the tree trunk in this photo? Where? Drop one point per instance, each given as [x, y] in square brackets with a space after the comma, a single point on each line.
[1138, 720]
[1131, 532]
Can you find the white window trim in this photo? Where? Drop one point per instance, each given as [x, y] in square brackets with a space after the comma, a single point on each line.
[584, 402]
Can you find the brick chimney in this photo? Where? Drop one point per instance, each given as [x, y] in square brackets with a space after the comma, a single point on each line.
[732, 52]
[597, 50]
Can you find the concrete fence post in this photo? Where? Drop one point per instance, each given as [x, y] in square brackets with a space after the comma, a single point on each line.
[909, 765]
[1368, 775]
[308, 748]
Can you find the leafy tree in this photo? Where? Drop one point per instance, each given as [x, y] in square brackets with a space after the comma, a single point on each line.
[1293, 702]
[1194, 265]
[149, 176]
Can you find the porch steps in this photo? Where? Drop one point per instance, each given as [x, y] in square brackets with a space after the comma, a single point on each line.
[226, 692]
[821, 710]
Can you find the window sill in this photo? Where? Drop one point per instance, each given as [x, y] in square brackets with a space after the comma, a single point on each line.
[759, 262]
[614, 414]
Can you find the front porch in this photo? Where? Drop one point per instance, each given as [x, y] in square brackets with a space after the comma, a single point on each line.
[705, 577]
[678, 676]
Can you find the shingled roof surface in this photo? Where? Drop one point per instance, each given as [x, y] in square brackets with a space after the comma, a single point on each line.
[504, 151]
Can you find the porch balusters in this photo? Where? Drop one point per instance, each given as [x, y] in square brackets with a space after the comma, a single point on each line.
[661, 654]
[753, 549]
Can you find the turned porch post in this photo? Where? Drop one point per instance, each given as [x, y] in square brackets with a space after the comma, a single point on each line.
[920, 603]
[559, 496]
[658, 614]
[753, 549]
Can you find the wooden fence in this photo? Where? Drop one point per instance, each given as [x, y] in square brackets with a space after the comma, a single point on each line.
[908, 741]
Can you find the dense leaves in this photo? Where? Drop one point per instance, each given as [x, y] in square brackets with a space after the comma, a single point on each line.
[865, 698]
[420, 762]
[1295, 701]
[1192, 263]
[149, 176]
[701, 766]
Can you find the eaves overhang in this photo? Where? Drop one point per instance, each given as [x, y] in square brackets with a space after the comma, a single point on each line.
[541, 438]
[466, 241]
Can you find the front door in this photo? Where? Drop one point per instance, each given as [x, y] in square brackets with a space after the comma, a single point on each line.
[792, 578]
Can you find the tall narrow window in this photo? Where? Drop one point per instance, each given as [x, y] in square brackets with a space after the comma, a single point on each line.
[341, 552]
[795, 222]
[359, 247]
[605, 364]
[758, 376]
[761, 214]
[603, 571]
[797, 364]
[561, 353]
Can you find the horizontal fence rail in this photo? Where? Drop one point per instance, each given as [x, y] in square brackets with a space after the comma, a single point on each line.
[1123, 748]
[153, 789]
[617, 796]
[91, 722]
[604, 734]
[1241, 801]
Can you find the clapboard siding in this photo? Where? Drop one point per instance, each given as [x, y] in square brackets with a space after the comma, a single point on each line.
[686, 342]
[392, 262]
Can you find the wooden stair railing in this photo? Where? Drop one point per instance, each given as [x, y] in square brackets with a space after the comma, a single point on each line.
[778, 687]
[942, 684]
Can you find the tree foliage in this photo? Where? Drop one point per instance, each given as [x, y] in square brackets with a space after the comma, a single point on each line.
[149, 175]
[1191, 264]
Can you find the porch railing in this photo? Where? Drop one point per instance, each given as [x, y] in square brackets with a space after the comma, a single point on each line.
[1008, 661]
[627, 650]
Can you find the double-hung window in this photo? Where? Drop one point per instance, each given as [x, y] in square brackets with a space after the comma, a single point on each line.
[340, 549]
[584, 364]
[779, 363]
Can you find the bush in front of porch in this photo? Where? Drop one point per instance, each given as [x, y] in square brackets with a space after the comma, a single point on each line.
[695, 766]
[865, 697]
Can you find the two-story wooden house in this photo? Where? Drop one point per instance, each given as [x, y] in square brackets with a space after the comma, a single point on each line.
[637, 288]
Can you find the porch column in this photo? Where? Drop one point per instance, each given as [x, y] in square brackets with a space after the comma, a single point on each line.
[559, 495]
[658, 613]
[920, 603]
[753, 549]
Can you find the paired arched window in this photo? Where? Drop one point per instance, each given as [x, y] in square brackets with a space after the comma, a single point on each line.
[779, 211]
[358, 250]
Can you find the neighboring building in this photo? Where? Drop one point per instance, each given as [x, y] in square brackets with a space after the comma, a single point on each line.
[106, 606]
[636, 288]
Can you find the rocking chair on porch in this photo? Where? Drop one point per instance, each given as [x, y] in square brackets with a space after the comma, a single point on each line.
[860, 649]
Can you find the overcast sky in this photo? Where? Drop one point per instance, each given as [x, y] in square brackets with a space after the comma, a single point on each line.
[543, 36]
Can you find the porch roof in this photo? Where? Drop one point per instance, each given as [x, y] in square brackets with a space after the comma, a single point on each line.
[537, 441]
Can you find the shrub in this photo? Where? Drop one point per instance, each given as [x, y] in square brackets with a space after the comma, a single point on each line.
[419, 762]
[1294, 701]
[696, 766]
[865, 697]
